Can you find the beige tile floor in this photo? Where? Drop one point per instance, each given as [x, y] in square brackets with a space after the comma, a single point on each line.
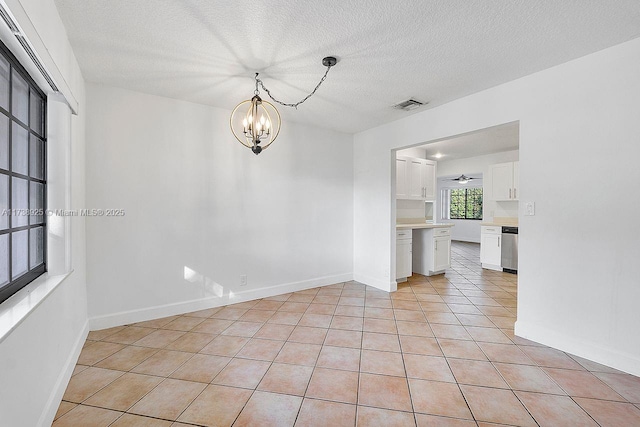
[439, 352]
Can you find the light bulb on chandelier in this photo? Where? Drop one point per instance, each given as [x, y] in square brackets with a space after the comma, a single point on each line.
[256, 123]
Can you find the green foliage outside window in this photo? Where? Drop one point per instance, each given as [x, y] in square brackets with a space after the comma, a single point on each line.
[465, 203]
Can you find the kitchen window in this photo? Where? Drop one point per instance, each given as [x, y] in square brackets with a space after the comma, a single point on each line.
[462, 203]
[22, 177]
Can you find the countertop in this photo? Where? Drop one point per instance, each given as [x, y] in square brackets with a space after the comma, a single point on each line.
[501, 222]
[422, 225]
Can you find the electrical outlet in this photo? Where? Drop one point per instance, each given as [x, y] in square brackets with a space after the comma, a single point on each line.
[530, 208]
[243, 280]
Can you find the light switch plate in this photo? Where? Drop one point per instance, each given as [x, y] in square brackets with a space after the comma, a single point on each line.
[530, 208]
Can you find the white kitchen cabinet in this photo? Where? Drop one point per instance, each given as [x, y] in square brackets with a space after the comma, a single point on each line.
[429, 180]
[402, 185]
[403, 254]
[442, 253]
[431, 250]
[415, 178]
[504, 181]
[491, 247]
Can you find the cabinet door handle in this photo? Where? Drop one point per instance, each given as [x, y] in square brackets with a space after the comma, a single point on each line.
[514, 193]
[498, 241]
[509, 193]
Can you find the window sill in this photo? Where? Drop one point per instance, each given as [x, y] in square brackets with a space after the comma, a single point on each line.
[15, 309]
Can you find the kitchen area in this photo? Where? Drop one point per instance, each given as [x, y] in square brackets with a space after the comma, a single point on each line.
[462, 189]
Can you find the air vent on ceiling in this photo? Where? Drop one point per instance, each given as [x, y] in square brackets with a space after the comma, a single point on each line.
[409, 104]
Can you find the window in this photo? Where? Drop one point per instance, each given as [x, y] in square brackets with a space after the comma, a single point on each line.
[462, 203]
[22, 177]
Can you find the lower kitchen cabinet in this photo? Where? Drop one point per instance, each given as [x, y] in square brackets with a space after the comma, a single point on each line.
[403, 254]
[490, 247]
[431, 250]
[442, 253]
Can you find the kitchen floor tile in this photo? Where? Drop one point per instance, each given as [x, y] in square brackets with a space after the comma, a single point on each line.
[131, 420]
[343, 338]
[124, 392]
[94, 352]
[626, 385]
[201, 368]
[476, 372]
[163, 363]
[438, 398]
[87, 416]
[496, 406]
[307, 335]
[461, 349]
[384, 392]
[286, 379]
[380, 342]
[299, 354]
[216, 406]
[260, 349]
[433, 420]
[332, 384]
[88, 382]
[582, 384]
[269, 410]
[242, 373]
[223, 345]
[127, 358]
[428, 368]
[339, 358]
[374, 417]
[420, 345]
[555, 411]
[169, 399]
[382, 362]
[191, 342]
[528, 378]
[320, 413]
[274, 332]
[610, 414]
[129, 335]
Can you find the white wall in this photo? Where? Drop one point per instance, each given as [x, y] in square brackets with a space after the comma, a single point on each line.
[579, 129]
[469, 230]
[37, 357]
[202, 210]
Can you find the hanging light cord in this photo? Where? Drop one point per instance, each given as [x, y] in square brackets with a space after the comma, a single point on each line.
[259, 82]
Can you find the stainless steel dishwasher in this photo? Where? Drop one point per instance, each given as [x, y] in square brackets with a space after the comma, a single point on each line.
[510, 249]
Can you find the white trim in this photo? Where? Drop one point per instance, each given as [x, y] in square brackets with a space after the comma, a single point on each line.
[376, 283]
[51, 407]
[149, 313]
[19, 305]
[22, 20]
[622, 361]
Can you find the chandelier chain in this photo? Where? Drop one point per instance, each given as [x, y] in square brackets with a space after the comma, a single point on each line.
[295, 105]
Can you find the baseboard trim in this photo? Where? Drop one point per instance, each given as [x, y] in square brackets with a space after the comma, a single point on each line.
[618, 360]
[150, 313]
[51, 408]
[383, 285]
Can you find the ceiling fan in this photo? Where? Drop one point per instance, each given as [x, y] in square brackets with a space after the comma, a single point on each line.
[462, 179]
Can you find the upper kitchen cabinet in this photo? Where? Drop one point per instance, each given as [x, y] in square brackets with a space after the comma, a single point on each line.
[415, 178]
[503, 180]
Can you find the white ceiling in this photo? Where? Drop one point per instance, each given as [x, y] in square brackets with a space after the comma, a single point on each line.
[486, 141]
[207, 51]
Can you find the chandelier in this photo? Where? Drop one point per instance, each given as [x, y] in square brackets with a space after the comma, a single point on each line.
[256, 123]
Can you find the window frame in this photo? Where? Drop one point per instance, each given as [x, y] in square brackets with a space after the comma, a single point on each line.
[446, 203]
[14, 285]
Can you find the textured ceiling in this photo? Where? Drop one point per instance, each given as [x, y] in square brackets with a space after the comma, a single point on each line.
[208, 51]
[492, 140]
